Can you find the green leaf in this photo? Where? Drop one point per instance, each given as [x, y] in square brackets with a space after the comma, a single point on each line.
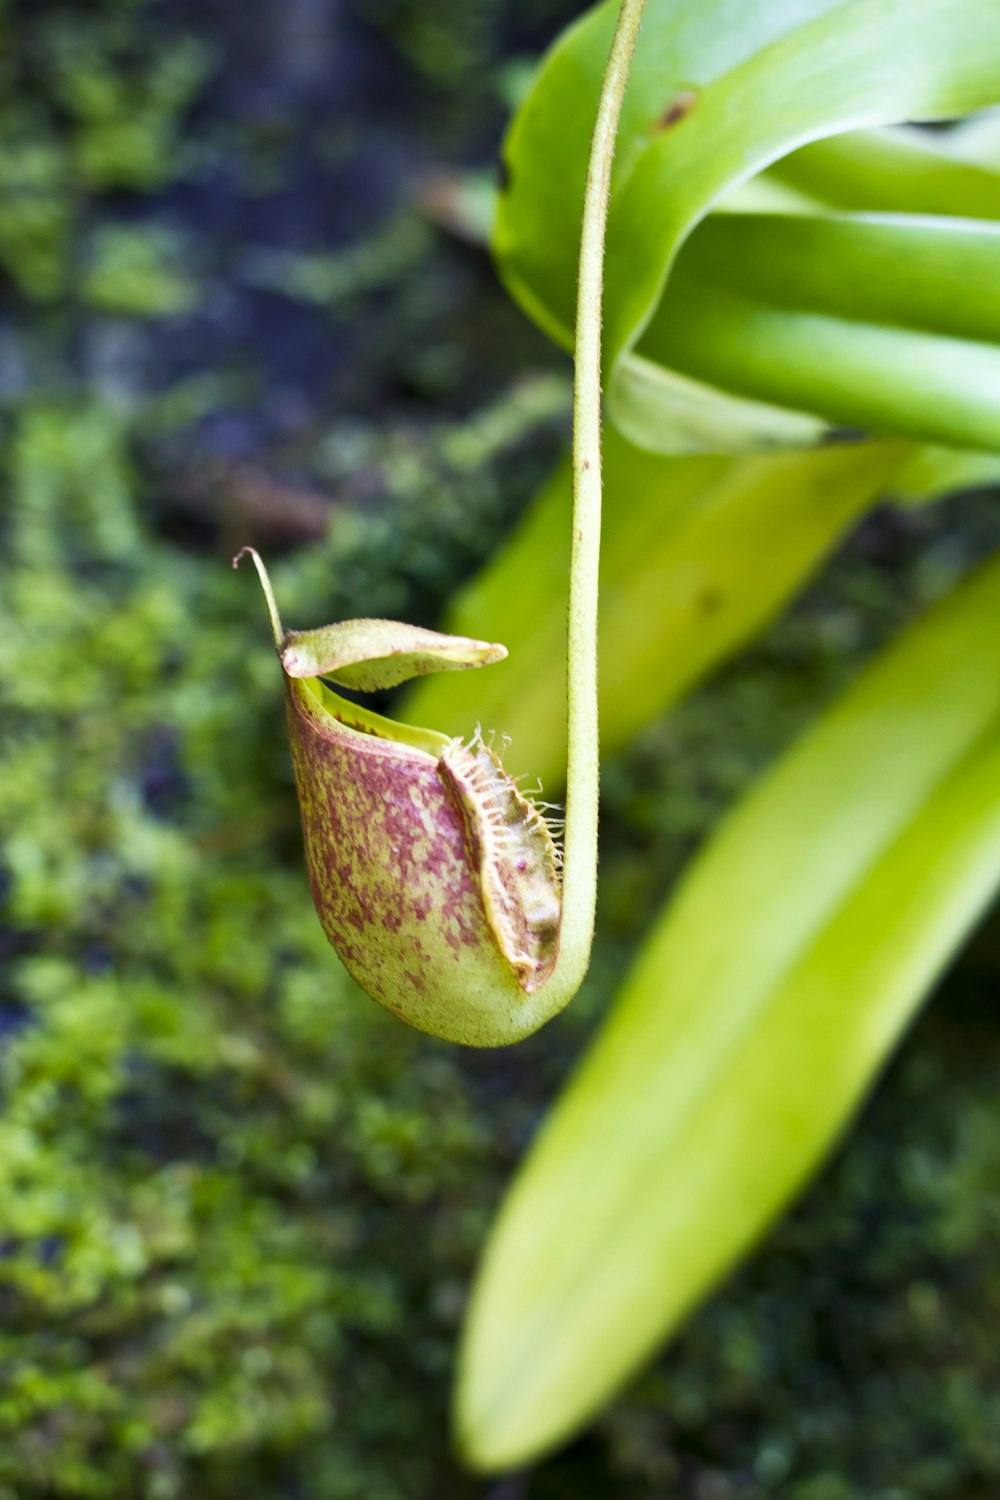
[976, 142]
[887, 379]
[933, 472]
[699, 554]
[902, 169]
[880, 321]
[666, 412]
[718, 93]
[939, 275]
[796, 950]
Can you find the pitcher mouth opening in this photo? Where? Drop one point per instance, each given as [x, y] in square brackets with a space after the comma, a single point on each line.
[368, 724]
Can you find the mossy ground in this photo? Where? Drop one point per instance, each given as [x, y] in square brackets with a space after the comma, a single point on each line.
[241, 1206]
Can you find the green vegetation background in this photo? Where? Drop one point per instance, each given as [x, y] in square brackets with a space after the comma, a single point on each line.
[239, 1206]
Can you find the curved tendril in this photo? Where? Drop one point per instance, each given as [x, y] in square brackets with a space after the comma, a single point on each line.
[582, 776]
[272, 604]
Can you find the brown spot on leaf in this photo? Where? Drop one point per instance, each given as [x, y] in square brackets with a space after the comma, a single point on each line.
[678, 109]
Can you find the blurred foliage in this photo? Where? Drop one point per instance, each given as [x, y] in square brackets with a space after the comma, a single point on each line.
[138, 271]
[854, 1360]
[455, 43]
[216, 1158]
[241, 1205]
[90, 102]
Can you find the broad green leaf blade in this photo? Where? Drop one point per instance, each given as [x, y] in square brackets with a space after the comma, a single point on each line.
[718, 93]
[665, 412]
[698, 554]
[888, 380]
[939, 275]
[977, 141]
[885, 322]
[796, 950]
[879, 60]
[932, 472]
[883, 60]
[900, 170]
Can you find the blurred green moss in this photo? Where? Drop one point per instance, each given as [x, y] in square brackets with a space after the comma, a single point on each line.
[242, 1204]
[137, 271]
[88, 103]
[215, 1155]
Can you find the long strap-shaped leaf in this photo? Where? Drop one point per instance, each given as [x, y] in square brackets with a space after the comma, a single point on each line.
[939, 275]
[880, 322]
[796, 950]
[720, 91]
[886, 320]
[901, 169]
